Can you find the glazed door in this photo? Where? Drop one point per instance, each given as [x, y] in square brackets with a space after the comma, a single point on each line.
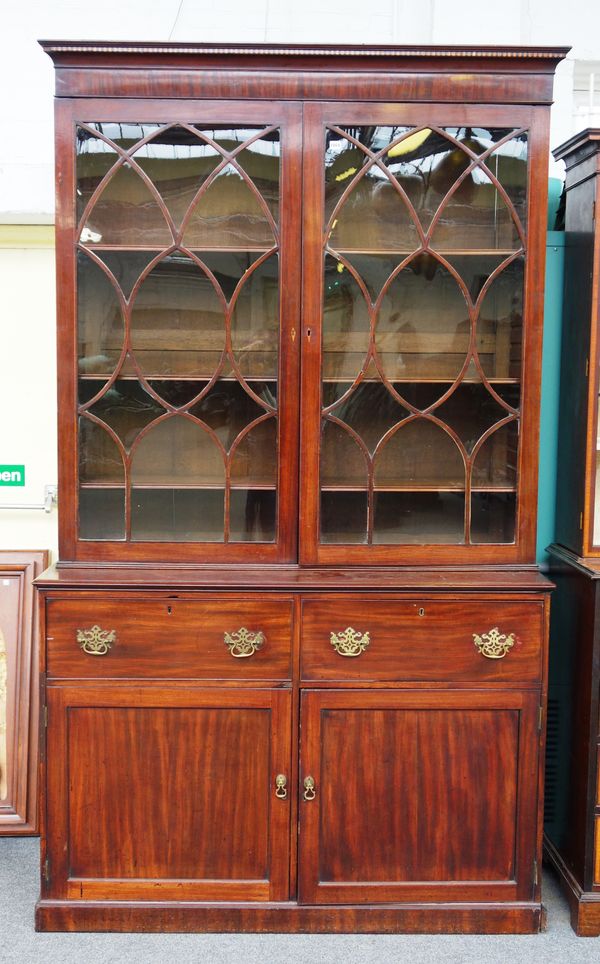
[167, 793]
[179, 420]
[423, 268]
[417, 796]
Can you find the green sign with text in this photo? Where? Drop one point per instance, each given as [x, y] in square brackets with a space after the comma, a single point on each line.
[12, 475]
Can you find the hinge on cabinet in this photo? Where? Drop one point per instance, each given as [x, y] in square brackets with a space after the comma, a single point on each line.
[593, 210]
[581, 520]
[535, 873]
[45, 716]
[540, 718]
[587, 367]
[47, 870]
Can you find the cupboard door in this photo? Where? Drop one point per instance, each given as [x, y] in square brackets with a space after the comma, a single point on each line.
[168, 793]
[187, 250]
[417, 796]
[417, 292]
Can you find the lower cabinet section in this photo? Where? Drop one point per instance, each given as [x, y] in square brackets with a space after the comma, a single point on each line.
[168, 793]
[289, 803]
[417, 796]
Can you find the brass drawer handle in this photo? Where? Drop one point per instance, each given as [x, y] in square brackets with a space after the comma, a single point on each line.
[350, 642]
[244, 642]
[494, 644]
[96, 641]
[309, 788]
[281, 786]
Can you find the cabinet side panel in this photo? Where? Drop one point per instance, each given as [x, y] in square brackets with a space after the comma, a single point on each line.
[575, 364]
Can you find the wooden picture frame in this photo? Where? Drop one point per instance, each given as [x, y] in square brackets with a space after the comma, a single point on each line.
[19, 691]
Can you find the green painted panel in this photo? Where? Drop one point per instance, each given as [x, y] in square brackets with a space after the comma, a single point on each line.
[555, 255]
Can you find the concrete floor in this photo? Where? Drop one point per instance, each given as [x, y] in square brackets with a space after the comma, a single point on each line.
[19, 944]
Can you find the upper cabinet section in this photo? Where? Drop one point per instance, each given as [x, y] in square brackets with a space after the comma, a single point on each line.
[578, 516]
[205, 244]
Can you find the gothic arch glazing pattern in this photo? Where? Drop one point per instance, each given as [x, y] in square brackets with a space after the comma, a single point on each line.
[178, 325]
[424, 251]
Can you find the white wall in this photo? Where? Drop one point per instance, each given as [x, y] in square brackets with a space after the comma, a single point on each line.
[27, 393]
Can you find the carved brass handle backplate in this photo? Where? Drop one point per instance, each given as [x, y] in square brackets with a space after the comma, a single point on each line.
[244, 642]
[494, 644]
[310, 791]
[96, 641]
[281, 786]
[350, 642]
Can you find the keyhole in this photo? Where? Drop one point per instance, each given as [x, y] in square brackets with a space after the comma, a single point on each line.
[169, 610]
[421, 612]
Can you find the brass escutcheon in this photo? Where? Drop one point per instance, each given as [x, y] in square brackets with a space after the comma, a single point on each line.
[244, 642]
[494, 644]
[350, 642]
[309, 788]
[96, 641]
[281, 786]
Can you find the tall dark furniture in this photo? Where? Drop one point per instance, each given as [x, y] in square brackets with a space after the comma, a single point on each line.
[295, 650]
[573, 806]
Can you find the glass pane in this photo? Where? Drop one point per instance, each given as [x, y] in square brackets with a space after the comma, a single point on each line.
[100, 325]
[496, 461]
[178, 162]
[419, 454]
[126, 213]
[346, 324]
[126, 407]
[419, 517]
[177, 515]
[422, 332]
[252, 515]
[99, 457]
[343, 463]
[178, 320]
[178, 451]
[101, 513]
[344, 517]
[255, 321]
[254, 460]
[423, 327]
[373, 215]
[493, 517]
[126, 266]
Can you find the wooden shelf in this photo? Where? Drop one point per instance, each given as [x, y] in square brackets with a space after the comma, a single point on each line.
[159, 248]
[416, 488]
[394, 252]
[177, 378]
[264, 486]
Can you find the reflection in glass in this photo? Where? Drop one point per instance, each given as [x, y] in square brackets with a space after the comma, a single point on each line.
[126, 407]
[228, 214]
[177, 320]
[254, 461]
[100, 325]
[99, 456]
[344, 517]
[252, 515]
[496, 461]
[101, 513]
[255, 321]
[370, 410]
[471, 410]
[177, 451]
[500, 324]
[419, 454]
[423, 327]
[418, 518]
[126, 266]
[493, 517]
[177, 515]
[346, 326]
[342, 460]
[126, 213]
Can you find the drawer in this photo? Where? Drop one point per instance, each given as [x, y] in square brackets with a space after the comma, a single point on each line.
[422, 639]
[170, 638]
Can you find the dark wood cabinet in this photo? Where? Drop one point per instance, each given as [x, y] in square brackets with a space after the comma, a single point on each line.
[573, 791]
[295, 648]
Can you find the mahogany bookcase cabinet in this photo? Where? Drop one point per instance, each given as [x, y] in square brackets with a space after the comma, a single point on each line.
[572, 825]
[295, 649]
